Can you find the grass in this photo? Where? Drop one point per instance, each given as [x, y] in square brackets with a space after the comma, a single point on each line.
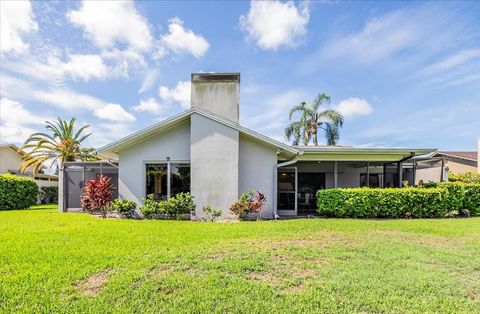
[71, 263]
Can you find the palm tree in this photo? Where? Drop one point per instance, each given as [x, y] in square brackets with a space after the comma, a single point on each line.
[59, 145]
[312, 119]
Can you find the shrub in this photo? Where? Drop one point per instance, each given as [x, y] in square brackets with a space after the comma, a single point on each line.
[468, 177]
[211, 213]
[48, 194]
[383, 203]
[463, 197]
[180, 204]
[124, 207]
[249, 202]
[97, 195]
[17, 192]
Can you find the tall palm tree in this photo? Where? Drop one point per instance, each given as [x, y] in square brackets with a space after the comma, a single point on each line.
[59, 145]
[312, 119]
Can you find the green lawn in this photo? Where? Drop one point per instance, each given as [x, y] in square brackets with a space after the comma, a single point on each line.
[51, 262]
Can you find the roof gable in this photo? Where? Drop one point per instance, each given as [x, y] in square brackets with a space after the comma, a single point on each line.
[110, 150]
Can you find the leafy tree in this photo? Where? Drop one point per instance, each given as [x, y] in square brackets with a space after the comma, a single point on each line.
[312, 119]
[60, 144]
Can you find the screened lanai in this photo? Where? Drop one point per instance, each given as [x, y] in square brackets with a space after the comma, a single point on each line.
[317, 168]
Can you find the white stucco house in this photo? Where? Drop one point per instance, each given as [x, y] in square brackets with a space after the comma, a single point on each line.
[205, 151]
[10, 161]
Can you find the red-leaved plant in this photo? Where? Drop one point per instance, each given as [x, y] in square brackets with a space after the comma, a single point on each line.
[97, 195]
[249, 202]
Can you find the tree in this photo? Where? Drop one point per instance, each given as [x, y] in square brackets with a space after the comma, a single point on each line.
[312, 119]
[59, 145]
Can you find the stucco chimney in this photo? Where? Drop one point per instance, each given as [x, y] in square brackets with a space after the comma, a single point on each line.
[218, 93]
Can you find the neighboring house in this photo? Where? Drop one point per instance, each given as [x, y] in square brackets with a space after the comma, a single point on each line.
[205, 151]
[459, 162]
[10, 160]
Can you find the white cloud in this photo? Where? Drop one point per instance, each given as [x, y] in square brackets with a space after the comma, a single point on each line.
[180, 39]
[459, 68]
[54, 70]
[15, 120]
[178, 95]
[149, 105]
[405, 35]
[104, 133]
[16, 19]
[150, 78]
[85, 67]
[272, 24]
[66, 99]
[13, 111]
[353, 107]
[114, 112]
[452, 61]
[109, 22]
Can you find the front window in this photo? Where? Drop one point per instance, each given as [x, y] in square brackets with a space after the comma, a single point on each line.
[179, 178]
[157, 181]
[157, 177]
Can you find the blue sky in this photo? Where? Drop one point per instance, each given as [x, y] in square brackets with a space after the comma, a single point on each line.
[405, 74]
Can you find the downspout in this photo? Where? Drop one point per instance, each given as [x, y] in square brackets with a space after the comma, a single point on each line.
[275, 183]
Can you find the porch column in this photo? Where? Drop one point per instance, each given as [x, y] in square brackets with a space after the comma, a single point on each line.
[414, 171]
[400, 173]
[442, 174]
[368, 174]
[335, 174]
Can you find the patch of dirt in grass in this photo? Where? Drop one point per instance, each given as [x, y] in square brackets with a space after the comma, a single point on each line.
[425, 240]
[318, 240]
[94, 284]
[160, 270]
[269, 277]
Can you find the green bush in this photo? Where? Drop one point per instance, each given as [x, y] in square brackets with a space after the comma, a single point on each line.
[383, 203]
[467, 177]
[462, 196]
[124, 207]
[17, 192]
[432, 200]
[48, 194]
[180, 204]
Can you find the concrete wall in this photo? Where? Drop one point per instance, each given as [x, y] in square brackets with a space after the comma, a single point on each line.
[457, 168]
[9, 160]
[173, 143]
[256, 166]
[214, 164]
[217, 93]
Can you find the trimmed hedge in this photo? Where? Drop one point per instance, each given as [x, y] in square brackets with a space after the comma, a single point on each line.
[48, 195]
[462, 195]
[433, 200]
[17, 192]
[383, 203]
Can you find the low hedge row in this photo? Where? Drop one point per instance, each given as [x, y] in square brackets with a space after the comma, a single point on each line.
[413, 202]
[48, 195]
[17, 192]
[461, 195]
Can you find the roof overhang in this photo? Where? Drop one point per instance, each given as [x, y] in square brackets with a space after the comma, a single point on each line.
[336, 153]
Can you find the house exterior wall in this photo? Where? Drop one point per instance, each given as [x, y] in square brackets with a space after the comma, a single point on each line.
[173, 143]
[256, 165]
[214, 156]
[457, 168]
[9, 160]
